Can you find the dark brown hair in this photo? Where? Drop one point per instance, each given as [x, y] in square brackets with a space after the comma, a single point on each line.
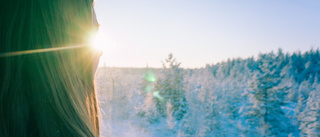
[47, 93]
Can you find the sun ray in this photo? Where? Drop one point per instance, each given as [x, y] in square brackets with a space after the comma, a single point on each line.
[16, 53]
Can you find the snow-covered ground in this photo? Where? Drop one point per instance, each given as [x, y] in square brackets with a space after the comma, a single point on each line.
[122, 129]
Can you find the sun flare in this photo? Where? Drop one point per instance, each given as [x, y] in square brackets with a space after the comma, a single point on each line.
[100, 41]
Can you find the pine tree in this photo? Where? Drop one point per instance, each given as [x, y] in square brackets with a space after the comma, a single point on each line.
[303, 94]
[147, 109]
[171, 89]
[212, 122]
[310, 117]
[190, 124]
[171, 122]
[267, 97]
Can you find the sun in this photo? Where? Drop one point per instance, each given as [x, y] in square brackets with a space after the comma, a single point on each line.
[100, 41]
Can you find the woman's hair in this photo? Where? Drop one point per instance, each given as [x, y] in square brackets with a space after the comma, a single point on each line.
[47, 93]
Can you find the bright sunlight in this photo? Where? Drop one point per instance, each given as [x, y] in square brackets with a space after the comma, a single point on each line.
[100, 42]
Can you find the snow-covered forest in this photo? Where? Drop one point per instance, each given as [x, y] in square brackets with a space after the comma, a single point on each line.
[275, 94]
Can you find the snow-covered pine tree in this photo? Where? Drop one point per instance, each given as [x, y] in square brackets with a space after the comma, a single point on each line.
[202, 119]
[267, 98]
[190, 124]
[212, 122]
[310, 117]
[171, 121]
[171, 87]
[303, 94]
[148, 110]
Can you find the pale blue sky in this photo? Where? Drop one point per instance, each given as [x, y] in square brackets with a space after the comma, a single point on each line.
[200, 32]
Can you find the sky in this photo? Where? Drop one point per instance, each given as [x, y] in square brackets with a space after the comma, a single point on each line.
[137, 33]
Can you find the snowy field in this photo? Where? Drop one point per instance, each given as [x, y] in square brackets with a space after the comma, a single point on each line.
[276, 94]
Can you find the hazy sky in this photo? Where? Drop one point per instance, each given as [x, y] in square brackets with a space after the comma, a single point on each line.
[199, 32]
